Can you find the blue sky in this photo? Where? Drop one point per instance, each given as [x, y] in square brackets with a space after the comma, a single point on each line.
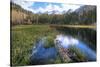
[43, 7]
[37, 5]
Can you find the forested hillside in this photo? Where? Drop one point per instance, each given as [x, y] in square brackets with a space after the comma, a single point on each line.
[19, 15]
[84, 15]
[71, 32]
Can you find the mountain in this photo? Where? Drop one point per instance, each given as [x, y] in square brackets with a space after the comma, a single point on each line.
[87, 14]
[84, 15]
[85, 9]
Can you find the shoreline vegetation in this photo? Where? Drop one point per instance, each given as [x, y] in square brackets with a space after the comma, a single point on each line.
[28, 27]
[75, 26]
[70, 26]
[25, 36]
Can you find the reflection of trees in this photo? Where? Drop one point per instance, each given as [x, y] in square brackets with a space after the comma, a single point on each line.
[86, 35]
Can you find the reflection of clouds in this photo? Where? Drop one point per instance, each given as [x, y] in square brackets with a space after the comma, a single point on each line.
[66, 40]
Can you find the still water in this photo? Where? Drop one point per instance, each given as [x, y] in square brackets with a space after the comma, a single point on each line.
[42, 55]
[67, 41]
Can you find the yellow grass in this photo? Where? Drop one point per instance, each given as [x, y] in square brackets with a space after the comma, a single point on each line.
[76, 26]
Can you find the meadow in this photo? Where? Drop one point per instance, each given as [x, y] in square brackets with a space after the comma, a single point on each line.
[49, 29]
[24, 37]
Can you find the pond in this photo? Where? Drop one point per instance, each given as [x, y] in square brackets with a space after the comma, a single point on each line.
[68, 41]
[42, 55]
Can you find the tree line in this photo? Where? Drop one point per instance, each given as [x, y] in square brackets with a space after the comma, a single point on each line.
[69, 17]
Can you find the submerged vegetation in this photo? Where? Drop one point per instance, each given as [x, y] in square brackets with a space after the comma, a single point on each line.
[79, 57]
[24, 37]
[50, 42]
[28, 27]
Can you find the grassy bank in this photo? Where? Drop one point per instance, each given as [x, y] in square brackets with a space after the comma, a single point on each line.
[25, 36]
[23, 39]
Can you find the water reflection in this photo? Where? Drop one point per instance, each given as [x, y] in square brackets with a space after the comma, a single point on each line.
[67, 41]
[42, 55]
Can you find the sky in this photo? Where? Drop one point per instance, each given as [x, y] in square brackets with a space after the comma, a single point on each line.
[42, 7]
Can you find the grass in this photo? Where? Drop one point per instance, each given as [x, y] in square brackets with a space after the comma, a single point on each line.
[76, 26]
[23, 39]
[80, 56]
[25, 36]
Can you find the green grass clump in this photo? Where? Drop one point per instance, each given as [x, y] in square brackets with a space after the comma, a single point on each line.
[49, 42]
[23, 38]
[80, 56]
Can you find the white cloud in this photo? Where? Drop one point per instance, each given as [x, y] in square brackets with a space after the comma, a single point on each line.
[24, 4]
[49, 8]
[58, 9]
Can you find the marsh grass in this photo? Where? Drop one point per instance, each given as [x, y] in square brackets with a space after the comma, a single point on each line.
[80, 56]
[23, 39]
